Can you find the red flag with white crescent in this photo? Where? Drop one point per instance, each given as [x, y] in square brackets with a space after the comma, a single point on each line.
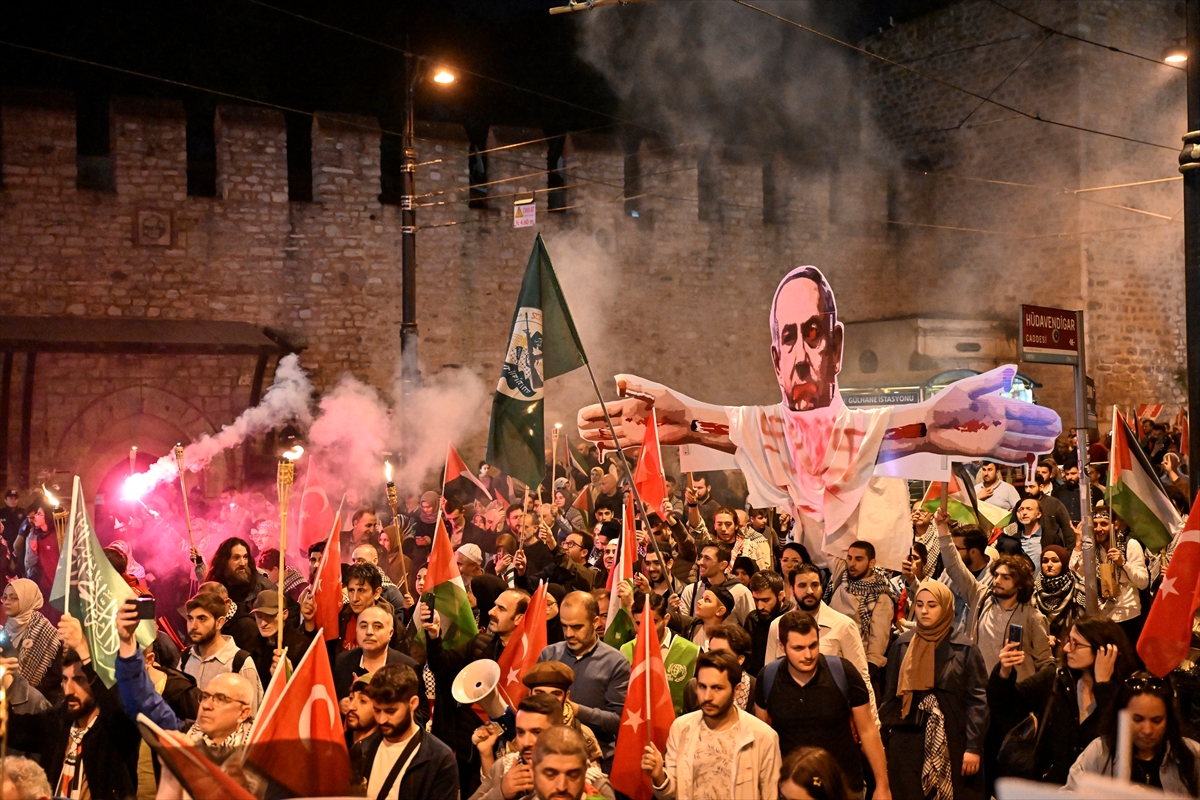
[301, 743]
[1167, 635]
[327, 584]
[524, 647]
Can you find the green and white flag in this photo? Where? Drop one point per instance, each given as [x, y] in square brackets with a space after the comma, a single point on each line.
[95, 592]
[1135, 493]
[542, 344]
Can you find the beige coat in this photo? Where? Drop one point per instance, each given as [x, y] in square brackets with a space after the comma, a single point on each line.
[755, 764]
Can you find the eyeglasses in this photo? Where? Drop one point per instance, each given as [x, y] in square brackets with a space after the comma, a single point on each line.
[570, 543]
[220, 699]
[1075, 644]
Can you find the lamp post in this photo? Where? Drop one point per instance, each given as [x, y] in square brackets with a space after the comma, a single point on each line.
[1189, 165]
[410, 372]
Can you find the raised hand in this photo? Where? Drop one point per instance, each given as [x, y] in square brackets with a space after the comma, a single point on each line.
[681, 420]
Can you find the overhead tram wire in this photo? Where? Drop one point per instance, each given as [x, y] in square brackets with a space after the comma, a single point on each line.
[947, 84]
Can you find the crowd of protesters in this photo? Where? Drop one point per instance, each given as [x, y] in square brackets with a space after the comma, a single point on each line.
[791, 676]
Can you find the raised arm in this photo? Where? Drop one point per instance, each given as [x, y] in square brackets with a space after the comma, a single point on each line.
[961, 578]
[971, 418]
[681, 419]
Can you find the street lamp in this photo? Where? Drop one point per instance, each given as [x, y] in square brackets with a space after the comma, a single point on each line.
[1189, 165]
[1175, 54]
[410, 371]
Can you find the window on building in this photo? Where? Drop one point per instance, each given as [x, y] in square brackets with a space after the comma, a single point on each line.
[299, 157]
[93, 157]
[201, 149]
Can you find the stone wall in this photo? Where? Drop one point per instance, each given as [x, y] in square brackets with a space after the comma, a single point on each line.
[970, 220]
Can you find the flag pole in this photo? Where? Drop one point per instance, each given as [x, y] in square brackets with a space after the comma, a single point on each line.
[69, 538]
[648, 621]
[187, 515]
[641, 507]
[662, 467]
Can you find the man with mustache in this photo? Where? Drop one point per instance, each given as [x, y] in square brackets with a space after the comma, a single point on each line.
[400, 759]
[233, 568]
[720, 750]
[212, 653]
[88, 746]
[813, 454]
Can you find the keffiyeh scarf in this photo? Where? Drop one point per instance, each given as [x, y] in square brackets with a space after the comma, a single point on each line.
[867, 589]
[937, 776]
[1055, 596]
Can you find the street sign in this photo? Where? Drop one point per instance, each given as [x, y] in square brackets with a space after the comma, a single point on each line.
[874, 398]
[1048, 336]
[524, 213]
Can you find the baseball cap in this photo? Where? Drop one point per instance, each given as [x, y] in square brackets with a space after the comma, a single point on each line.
[267, 603]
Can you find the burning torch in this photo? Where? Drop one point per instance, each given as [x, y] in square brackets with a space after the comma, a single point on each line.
[60, 515]
[554, 459]
[286, 477]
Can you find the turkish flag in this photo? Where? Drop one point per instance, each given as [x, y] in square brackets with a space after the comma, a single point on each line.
[648, 714]
[524, 647]
[316, 512]
[648, 474]
[301, 744]
[327, 585]
[184, 759]
[1167, 634]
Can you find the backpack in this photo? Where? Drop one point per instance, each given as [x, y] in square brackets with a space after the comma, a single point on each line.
[837, 671]
[239, 658]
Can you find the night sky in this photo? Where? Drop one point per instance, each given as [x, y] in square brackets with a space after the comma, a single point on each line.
[253, 51]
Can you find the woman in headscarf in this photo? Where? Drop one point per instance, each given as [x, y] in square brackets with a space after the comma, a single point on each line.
[563, 499]
[934, 706]
[554, 597]
[1058, 594]
[35, 640]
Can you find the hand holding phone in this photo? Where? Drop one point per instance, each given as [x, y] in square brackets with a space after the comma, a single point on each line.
[1015, 633]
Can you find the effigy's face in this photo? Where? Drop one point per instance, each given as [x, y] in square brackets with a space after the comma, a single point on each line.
[808, 351]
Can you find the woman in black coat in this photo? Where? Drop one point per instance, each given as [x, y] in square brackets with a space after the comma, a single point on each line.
[935, 701]
[1070, 700]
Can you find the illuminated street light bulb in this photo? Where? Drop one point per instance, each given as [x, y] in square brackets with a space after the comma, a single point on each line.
[443, 76]
[1175, 54]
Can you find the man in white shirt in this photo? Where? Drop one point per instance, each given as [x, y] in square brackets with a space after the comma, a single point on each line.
[212, 653]
[400, 759]
[994, 490]
[838, 635]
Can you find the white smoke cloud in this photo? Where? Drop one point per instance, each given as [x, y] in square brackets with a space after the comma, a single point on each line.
[287, 399]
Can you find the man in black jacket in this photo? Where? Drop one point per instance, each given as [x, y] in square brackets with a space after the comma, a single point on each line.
[401, 759]
[454, 723]
[86, 740]
[770, 603]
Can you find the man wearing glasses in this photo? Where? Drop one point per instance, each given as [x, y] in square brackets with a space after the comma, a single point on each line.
[569, 567]
[222, 724]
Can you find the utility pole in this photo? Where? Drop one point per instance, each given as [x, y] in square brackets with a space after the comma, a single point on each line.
[410, 370]
[1189, 165]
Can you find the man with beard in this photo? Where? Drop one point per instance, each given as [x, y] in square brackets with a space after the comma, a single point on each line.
[992, 608]
[366, 554]
[701, 505]
[463, 531]
[400, 759]
[770, 603]
[678, 654]
[742, 540]
[1068, 493]
[560, 766]
[838, 633]
[862, 592]
[221, 728]
[720, 750]
[233, 568]
[657, 577]
[454, 723]
[211, 652]
[362, 531]
[360, 712]
[88, 746]
[511, 776]
[569, 567]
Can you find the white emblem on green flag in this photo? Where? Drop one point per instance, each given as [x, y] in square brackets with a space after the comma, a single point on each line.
[96, 591]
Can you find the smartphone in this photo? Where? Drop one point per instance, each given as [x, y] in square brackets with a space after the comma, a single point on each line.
[7, 648]
[146, 608]
[427, 599]
[1015, 632]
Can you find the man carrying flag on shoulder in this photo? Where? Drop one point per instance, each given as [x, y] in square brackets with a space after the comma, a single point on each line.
[678, 653]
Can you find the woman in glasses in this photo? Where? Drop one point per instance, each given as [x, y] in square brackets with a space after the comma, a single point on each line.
[1161, 757]
[1071, 700]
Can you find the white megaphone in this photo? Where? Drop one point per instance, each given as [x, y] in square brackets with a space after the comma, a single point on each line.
[477, 684]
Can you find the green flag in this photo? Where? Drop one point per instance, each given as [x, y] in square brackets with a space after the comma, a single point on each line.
[542, 344]
[96, 591]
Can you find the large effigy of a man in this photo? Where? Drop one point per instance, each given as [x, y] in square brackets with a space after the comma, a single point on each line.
[837, 468]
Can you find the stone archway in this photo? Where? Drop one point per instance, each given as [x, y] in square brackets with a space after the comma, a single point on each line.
[148, 417]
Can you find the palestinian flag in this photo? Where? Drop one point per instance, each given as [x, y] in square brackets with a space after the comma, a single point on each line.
[543, 344]
[1135, 493]
[457, 470]
[962, 505]
[619, 628]
[450, 601]
[88, 588]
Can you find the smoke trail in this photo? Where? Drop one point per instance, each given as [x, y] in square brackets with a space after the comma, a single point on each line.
[286, 400]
